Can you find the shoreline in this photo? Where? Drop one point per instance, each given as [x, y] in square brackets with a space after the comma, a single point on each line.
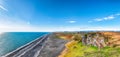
[24, 46]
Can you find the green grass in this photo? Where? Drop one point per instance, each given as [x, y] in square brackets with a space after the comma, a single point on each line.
[79, 50]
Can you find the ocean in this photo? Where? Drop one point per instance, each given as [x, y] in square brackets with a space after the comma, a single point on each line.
[10, 41]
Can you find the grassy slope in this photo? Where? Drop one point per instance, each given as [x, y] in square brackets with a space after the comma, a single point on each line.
[79, 50]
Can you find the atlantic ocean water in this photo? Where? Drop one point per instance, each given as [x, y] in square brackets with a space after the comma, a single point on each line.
[10, 41]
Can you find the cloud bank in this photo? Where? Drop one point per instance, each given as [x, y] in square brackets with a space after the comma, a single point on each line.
[110, 17]
[72, 21]
[3, 8]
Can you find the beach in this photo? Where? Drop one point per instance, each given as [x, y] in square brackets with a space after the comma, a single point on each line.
[46, 46]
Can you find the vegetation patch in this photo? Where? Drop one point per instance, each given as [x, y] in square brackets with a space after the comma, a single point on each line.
[95, 44]
[79, 50]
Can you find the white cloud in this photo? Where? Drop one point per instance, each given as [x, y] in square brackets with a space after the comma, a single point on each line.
[87, 29]
[118, 14]
[28, 23]
[105, 18]
[111, 17]
[98, 19]
[72, 21]
[3, 8]
[22, 28]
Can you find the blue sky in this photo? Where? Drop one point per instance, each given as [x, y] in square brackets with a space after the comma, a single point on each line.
[59, 15]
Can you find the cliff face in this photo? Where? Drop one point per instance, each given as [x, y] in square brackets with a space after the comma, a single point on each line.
[102, 39]
[84, 46]
[95, 39]
[113, 39]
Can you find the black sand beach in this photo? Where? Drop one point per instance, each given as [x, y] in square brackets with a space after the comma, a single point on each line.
[46, 46]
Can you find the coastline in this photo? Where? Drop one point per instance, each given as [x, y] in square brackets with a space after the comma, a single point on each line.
[24, 46]
[44, 46]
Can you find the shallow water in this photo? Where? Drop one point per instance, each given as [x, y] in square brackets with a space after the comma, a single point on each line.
[10, 41]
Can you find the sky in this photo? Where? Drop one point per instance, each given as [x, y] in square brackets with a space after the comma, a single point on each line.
[59, 15]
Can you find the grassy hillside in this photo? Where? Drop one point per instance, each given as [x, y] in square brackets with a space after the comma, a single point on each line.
[79, 50]
[89, 44]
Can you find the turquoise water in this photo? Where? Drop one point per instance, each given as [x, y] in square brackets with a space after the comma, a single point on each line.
[10, 41]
